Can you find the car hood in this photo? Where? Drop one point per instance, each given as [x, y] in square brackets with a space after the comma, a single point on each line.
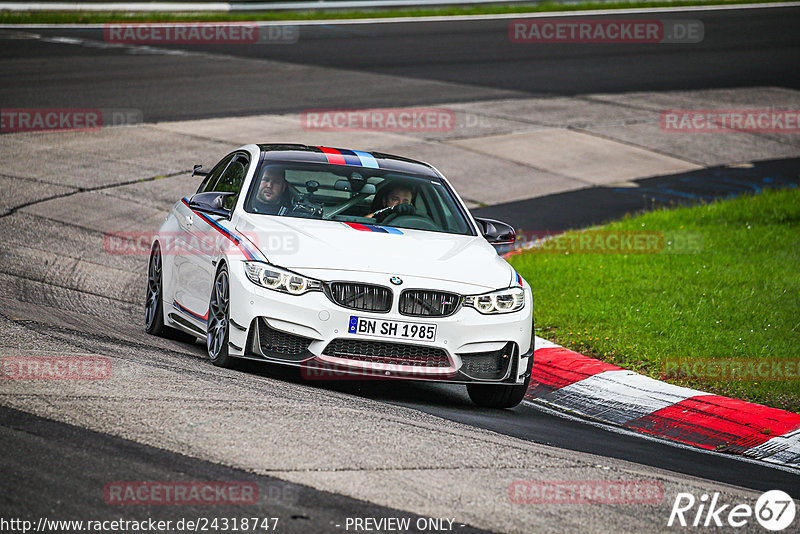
[305, 244]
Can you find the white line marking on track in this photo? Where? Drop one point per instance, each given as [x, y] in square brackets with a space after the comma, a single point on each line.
[500, 16]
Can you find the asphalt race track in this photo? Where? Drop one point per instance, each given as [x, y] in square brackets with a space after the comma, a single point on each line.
[94, 456]
[596, 205]
[395, 65]
[320, 452]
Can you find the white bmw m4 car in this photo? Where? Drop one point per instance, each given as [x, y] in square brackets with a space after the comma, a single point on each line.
[347, 264]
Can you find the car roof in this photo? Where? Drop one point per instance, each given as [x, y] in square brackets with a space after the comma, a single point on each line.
[345, 156]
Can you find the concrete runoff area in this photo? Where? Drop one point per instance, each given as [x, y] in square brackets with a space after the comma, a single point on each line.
[491, 154]
[591, 158]
[67, 294]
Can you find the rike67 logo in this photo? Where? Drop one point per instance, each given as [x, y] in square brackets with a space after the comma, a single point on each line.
[774, 510]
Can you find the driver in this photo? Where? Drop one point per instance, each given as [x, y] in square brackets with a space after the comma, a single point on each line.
[396, 200]
[272, 196]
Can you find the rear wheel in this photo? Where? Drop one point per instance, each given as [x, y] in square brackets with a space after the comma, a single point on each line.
[154, 303]
[219, 320]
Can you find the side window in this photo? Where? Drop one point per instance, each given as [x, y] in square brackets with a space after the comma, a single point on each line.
[207, 185]
[229, 180]
[232, 179]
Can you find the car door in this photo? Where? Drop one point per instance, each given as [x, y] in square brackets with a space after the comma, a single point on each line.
[209, 232]
[186, 298]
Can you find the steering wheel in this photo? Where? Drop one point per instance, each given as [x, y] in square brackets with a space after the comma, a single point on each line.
[415, 222]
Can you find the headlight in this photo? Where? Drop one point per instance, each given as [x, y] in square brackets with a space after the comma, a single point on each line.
[278, 279]
[502, 301]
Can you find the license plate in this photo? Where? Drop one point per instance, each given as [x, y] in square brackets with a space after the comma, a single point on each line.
[391, 329]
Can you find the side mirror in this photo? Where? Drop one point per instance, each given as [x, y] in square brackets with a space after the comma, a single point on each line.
[496, 232]
[197, 172]
[215, 202]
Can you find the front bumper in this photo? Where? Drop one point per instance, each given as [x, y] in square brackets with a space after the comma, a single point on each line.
[311, 331]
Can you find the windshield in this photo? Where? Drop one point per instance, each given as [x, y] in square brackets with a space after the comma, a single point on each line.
[356, 195]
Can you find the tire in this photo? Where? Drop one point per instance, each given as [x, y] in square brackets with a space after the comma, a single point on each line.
[219, 320]
[154, 303]
[500, 396]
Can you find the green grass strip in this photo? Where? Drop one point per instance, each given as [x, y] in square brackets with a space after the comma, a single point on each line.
[723, 283]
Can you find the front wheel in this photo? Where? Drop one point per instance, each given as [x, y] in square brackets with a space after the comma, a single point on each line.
[495, 396]
[219, 320]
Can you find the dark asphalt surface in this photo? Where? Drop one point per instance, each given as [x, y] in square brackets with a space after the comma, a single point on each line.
[439, 62]
[596, 205]
[436, 62]
[58, 471]
[530, 423]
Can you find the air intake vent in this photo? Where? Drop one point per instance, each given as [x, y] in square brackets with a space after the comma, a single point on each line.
[276, 344]
[365, 297]
[488, 365]
[427, 303]
[387, 353]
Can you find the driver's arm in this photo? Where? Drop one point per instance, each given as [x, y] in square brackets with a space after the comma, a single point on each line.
[398, 209]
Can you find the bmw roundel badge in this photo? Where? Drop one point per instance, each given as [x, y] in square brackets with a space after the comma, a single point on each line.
[396, 280]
